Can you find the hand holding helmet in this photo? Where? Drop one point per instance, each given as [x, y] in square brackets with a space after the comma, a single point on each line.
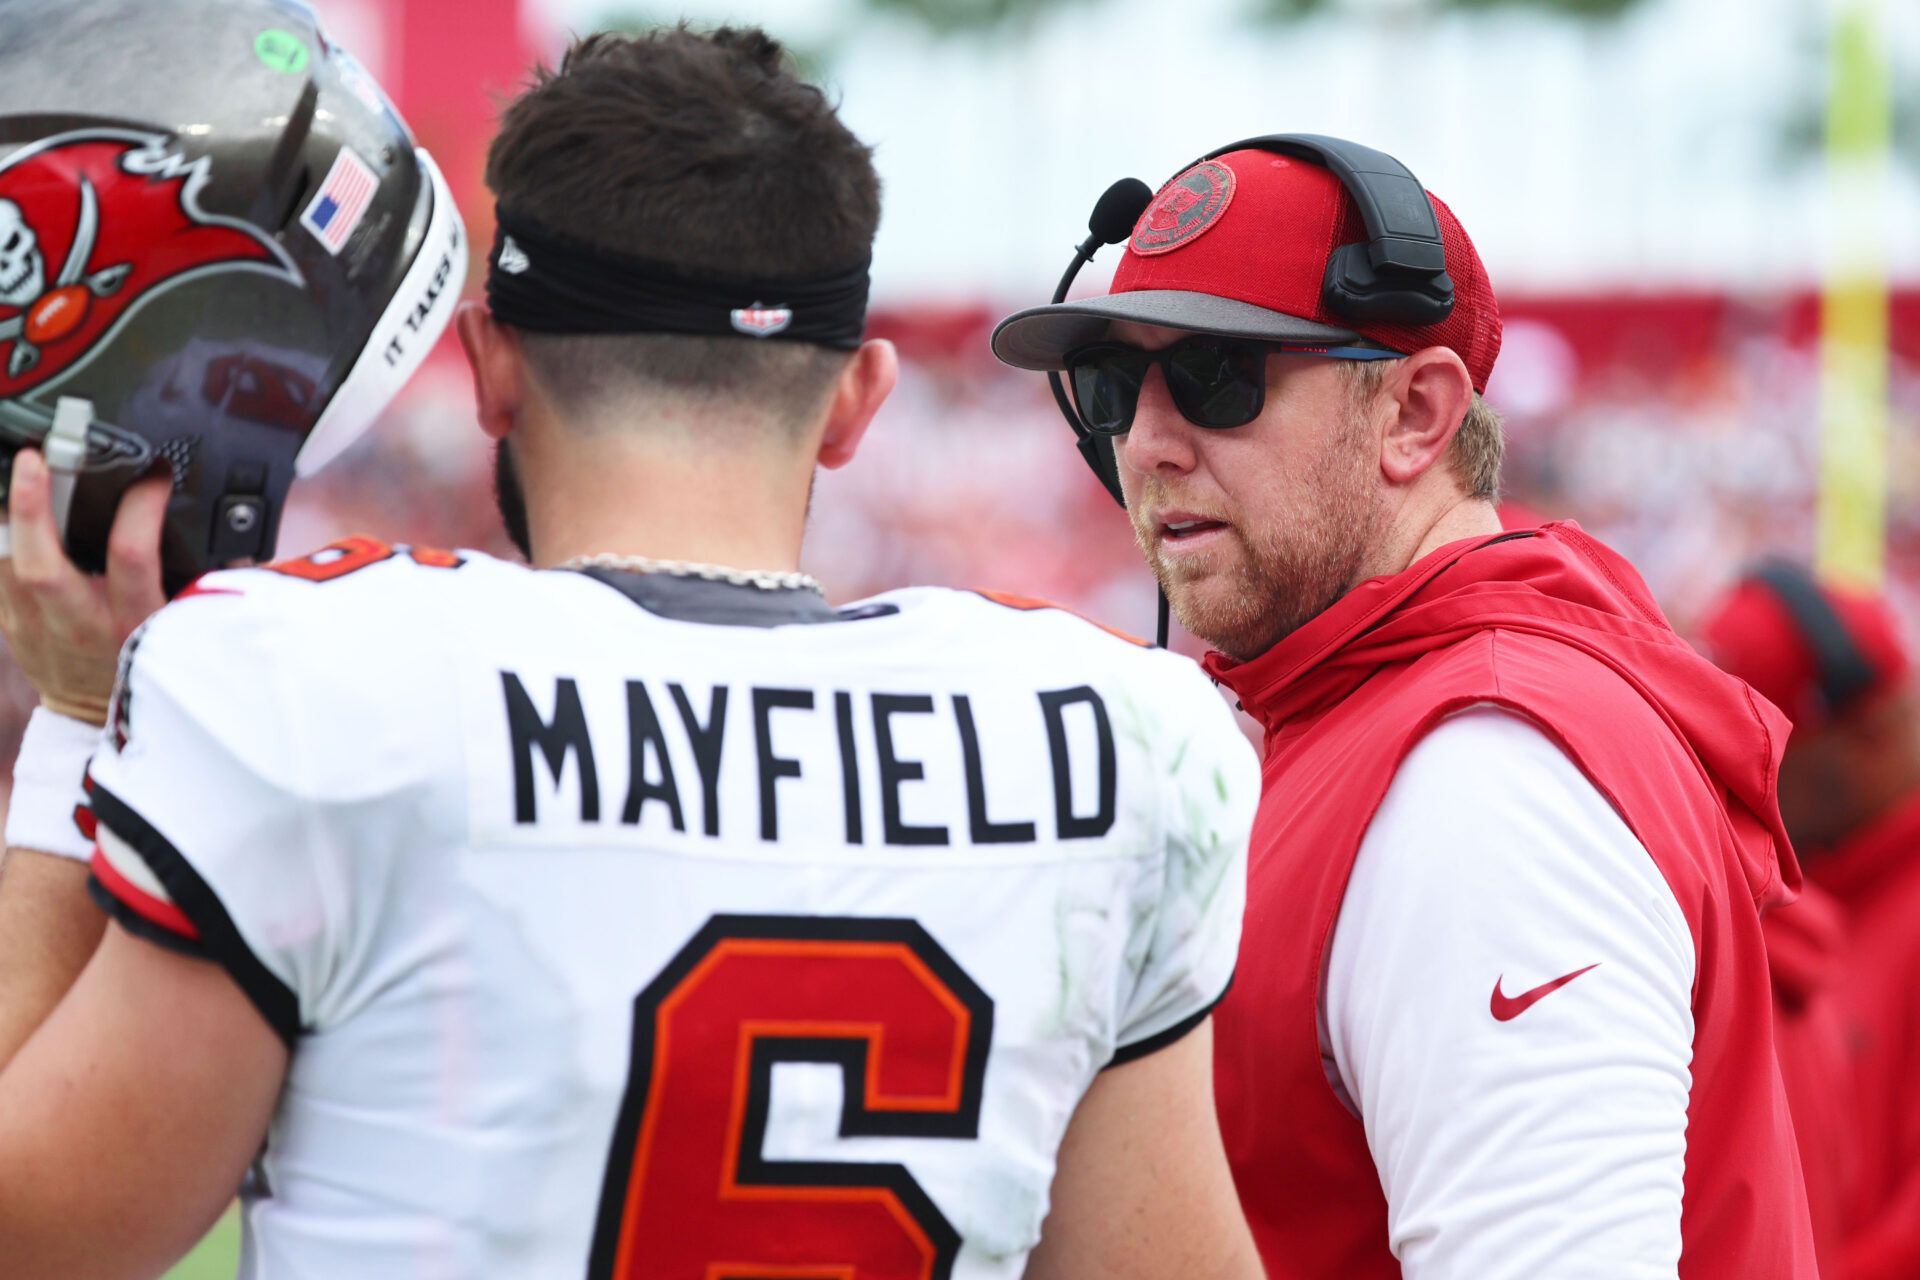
[64, 628]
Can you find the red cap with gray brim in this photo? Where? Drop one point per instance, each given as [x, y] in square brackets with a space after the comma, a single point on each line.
[1238, 246]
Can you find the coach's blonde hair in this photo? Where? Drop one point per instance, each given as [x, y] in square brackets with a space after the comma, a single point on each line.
[1478, 447]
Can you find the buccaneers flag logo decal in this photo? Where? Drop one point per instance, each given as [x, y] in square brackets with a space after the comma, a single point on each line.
[93, 224]
[1184, 209]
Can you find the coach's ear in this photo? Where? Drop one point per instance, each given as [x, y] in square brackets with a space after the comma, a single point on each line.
[499, 368]
[1424, 401]
[863, 387]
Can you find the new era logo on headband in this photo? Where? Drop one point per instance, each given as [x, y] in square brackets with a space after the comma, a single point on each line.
[513, 259]
[758, 321]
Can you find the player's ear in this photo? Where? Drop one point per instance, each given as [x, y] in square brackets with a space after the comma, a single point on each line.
[863, 387]
[1426, 399]
[499, 372]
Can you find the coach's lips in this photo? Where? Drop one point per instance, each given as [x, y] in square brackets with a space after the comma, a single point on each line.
[1187, 528]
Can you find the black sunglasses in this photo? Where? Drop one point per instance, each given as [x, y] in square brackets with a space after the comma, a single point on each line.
[1214, 381]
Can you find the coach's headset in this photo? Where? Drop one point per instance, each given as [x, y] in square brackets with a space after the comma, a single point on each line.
[1842, 671]
[1398, 276]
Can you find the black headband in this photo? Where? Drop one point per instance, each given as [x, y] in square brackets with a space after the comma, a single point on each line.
[545, 283]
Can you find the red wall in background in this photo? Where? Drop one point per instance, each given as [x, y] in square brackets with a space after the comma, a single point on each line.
[1653, 335]
[1659, 334]
[455, 64]
[449, 65]
[452, 64]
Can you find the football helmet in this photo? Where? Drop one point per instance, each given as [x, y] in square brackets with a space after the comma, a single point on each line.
[221, 255]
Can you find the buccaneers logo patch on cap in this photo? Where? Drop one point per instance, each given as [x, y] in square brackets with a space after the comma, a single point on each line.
[93, 223]
[1185, 208]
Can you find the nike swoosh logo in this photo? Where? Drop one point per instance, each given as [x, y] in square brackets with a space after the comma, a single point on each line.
[1506, 1008]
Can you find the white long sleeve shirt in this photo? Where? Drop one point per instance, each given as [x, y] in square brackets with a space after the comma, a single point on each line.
[1508, 1009]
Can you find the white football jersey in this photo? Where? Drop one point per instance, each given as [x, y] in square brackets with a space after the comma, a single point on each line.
[634, 927]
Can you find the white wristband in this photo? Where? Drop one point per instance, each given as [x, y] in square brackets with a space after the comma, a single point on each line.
[48, 786]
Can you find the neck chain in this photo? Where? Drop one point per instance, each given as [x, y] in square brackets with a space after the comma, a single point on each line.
[764, 579]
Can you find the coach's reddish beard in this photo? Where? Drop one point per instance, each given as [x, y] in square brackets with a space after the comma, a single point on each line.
[1279, 569]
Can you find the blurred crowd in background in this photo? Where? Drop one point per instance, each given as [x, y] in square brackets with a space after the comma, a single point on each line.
[1662, 190]
[1681, 430]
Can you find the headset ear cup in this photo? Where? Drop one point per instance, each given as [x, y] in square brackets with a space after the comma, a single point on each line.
[1353, 290]
[1098, 451]
[1343, 287]
[1843, 670]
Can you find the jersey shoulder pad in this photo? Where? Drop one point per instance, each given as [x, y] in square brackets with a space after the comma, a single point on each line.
[279, 663]
[343, 584]
[291, 614]
[1032, 604]
[350, 555]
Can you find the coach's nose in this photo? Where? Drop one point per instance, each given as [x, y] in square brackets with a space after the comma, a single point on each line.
[1161, 441]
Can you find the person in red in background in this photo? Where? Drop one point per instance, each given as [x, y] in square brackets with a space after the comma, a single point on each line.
[1806, 940]
[1834, 661]
[1503, 1007]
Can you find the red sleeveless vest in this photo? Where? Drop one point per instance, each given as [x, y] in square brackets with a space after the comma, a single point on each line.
[1561, 630]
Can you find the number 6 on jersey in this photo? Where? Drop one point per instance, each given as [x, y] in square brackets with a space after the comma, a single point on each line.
[689, 1192]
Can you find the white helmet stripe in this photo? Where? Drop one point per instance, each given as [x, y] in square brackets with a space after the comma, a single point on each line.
[414, 320]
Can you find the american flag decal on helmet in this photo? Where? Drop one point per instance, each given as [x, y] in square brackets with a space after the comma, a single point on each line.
[341, 203]
[759, 321]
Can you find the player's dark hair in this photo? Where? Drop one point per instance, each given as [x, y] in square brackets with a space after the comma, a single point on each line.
[703, 151]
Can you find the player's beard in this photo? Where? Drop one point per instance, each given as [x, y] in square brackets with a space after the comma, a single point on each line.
[1286, 571]
[511, 499]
